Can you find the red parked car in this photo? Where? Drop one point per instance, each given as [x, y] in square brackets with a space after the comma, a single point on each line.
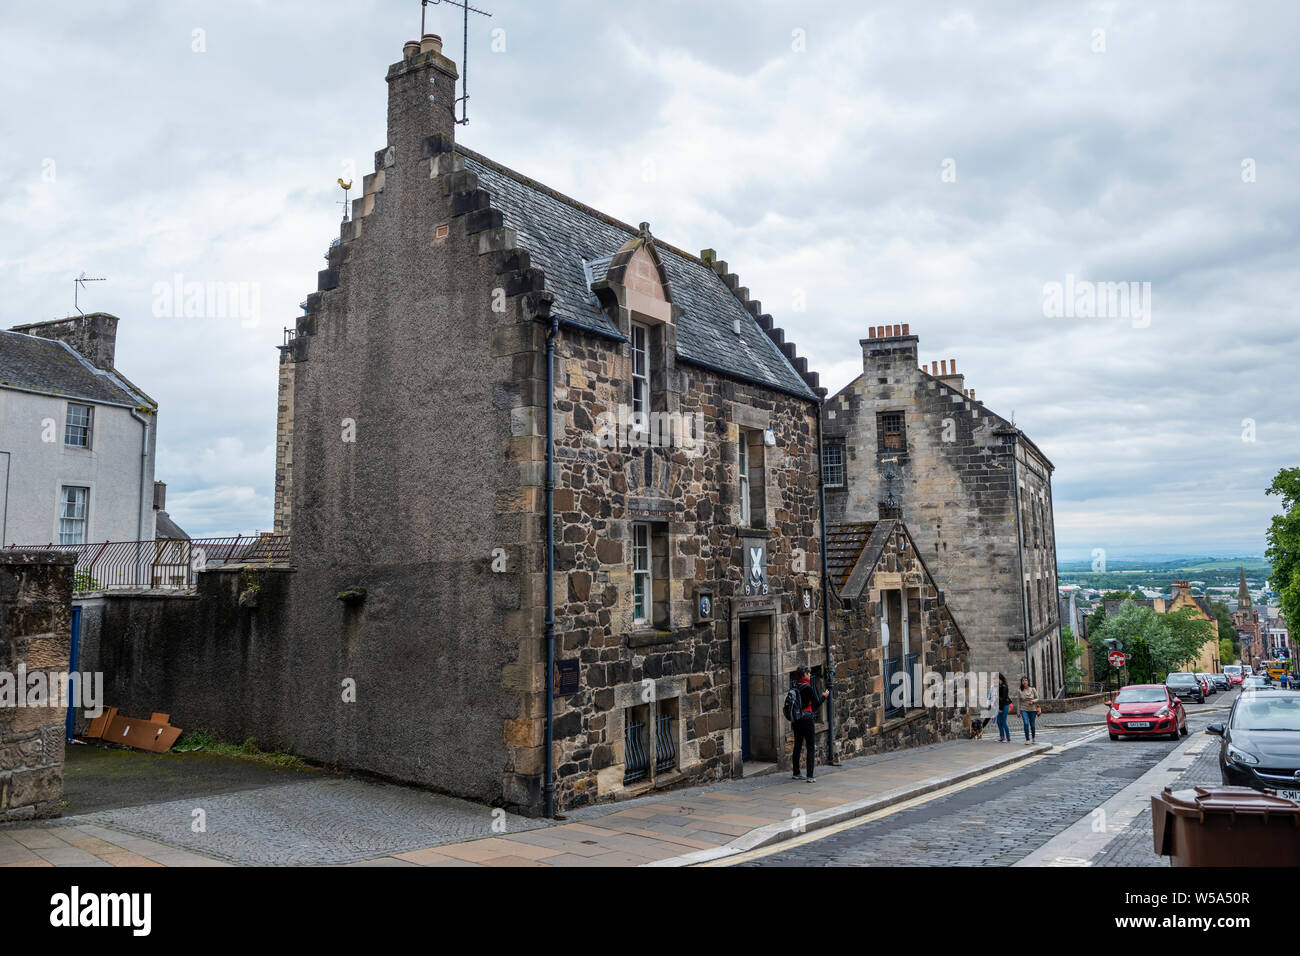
[1140, 710]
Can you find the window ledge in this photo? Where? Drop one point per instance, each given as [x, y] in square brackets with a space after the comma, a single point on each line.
[912, 715]
[648, 637]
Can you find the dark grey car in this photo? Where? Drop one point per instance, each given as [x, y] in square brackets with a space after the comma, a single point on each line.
[1186, 686]
[1259, 746]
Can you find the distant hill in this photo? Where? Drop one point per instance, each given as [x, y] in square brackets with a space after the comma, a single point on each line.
[1160, 575]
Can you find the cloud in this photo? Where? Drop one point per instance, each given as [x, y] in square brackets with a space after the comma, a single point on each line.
[804, 144]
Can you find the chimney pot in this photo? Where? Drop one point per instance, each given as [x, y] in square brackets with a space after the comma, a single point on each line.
[871, 332]
[943, 366]
[431, 42]
[954, 366]
[898, 330]
[905, 329]
[410, 48]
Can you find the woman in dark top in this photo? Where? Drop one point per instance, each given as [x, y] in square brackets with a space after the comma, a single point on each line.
[1004, 707]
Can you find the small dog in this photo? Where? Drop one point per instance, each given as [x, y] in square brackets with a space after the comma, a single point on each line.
[977, 728]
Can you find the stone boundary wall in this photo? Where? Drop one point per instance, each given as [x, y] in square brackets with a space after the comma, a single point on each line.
[1063, 705]
[216, 658]
[35, 634]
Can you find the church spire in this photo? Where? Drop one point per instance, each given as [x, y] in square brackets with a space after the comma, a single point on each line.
[1243, 594]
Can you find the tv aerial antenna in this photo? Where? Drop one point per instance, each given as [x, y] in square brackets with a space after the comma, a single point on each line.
[78, 284]
[466, 9]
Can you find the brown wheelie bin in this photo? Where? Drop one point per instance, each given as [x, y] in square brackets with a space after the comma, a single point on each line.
[1226, 826]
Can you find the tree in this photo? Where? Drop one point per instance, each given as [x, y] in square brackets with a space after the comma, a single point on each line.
[1183, 635]
[1071, 650]
[1227, 651]
[1099, 614]
[1284, 544]
[1137, 627]
[1227, 629]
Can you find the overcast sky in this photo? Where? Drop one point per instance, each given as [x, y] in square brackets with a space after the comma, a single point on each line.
[934, 164]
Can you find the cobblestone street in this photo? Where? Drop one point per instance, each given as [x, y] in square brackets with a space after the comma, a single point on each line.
[1000, 821]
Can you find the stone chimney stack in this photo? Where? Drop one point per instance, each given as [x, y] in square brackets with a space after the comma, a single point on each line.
[421, 97]
[888, 345]
[948, 375]
[93, 335]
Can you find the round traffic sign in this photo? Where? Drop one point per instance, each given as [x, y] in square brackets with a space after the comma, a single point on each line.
[1116, 658]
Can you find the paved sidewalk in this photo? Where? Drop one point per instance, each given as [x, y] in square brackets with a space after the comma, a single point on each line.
[361, 823]
[701, 824]
[87, 845]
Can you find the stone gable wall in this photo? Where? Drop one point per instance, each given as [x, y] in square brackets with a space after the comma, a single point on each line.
[862, 725]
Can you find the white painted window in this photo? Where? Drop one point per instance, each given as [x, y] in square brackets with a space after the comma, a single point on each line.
[640, 369]
[744, 479]
[76, 428]
[642, 584]
[72, 515]
[833, 464]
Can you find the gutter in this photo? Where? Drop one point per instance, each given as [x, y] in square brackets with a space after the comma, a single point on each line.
[144, 462]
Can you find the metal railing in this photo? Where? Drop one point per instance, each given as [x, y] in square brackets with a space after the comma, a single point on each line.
[665, 744]
[889, 667]
[1079, 688]
[637, 759]
[910, 666]
[164, 562]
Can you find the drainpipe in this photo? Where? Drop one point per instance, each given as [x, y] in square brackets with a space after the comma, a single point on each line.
[826, 595]
[549, 784]
[1020, 545]
[4, 521]
[139, 520]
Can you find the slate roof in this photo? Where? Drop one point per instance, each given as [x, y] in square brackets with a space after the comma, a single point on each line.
[561, 236]
[55, 368]
[844, 545]
[165, 527]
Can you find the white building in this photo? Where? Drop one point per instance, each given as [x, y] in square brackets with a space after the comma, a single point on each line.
[76, 437]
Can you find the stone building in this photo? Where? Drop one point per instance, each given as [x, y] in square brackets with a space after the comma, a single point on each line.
[1250, 631]
[902, 666]
[686, 531]
[553, 491]
[975, 492]
[1182, 597]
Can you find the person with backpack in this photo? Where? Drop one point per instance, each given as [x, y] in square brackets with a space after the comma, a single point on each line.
[801, 706]
[1004, 707]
